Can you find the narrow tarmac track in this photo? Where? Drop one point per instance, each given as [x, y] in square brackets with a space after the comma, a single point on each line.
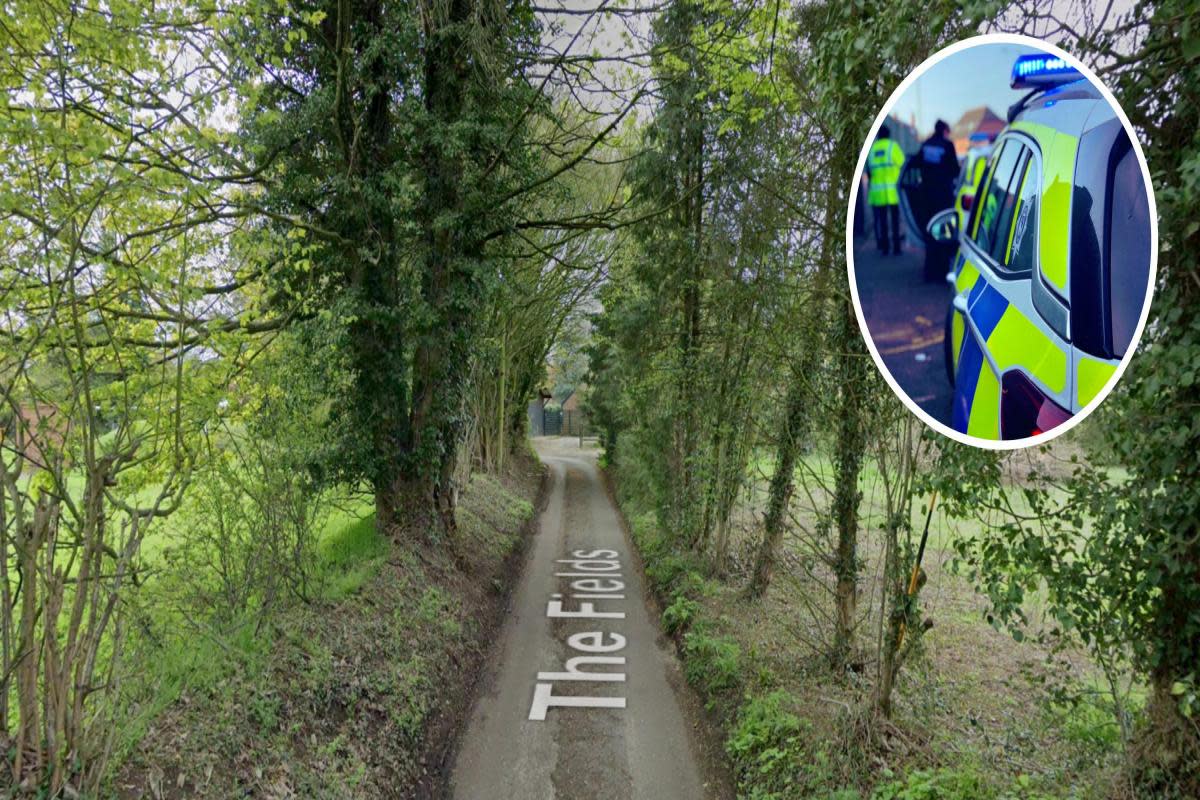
[616, 724]
[907, 319]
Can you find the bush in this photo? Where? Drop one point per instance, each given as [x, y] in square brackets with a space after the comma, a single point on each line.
[711, 663]
[679, 615]
[671, 572]
[766, 747]
[249, 533]
[1089, 725]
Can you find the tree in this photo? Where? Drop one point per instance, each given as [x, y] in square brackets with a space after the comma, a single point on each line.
[1115, 544]
[112, 305]
[400, 137]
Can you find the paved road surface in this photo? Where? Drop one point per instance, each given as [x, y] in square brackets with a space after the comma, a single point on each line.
[907, 319]
[647, 749]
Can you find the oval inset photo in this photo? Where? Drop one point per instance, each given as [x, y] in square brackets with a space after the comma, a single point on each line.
[1002, 241]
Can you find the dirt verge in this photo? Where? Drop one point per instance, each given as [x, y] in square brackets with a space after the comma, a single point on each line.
[356, 697]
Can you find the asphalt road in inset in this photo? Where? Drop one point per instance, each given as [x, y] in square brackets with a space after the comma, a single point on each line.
[907, 320]
[651, 748]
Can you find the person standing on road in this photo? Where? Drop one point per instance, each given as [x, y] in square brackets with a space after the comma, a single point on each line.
[883, 195]
[939, 169]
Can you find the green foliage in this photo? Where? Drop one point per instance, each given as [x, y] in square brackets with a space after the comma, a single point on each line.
[768, 748]
[955, 783]
[435, 609]
[678, 616]
[667, 570]
[937, 784]
[1090, 726]
[712, 664]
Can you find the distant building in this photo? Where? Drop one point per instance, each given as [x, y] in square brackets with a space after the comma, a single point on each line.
[978, 120]
[36, 432]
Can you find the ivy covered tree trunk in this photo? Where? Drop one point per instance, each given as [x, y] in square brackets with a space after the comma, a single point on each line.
[400, 131]
[451, 260]
[797, 414]
[378, 336]
[692, 256]
[849, 450]
[783, 479]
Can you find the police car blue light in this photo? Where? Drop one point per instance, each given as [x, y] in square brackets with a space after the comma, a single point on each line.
[1037, 70]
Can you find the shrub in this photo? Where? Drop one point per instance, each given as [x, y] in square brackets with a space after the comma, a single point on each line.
[679, 615]
[767, 747]
[711, 663]
[665, 570]
[1090, 725]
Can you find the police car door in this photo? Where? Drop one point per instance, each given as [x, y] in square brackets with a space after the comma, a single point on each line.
[1011, 360]
[1110, 255]
[915, 215]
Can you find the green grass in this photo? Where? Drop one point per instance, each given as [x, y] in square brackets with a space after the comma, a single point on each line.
[335, 693]
[351, 552]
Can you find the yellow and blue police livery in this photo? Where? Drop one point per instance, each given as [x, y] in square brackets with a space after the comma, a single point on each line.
[1053, 263]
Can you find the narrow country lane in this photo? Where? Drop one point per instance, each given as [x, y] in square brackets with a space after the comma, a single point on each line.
[585, 706]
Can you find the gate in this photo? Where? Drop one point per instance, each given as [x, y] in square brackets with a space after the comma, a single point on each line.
[552, 422]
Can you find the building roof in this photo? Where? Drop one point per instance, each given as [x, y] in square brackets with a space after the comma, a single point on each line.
[571, 403]
[980, 119]
[973, 120]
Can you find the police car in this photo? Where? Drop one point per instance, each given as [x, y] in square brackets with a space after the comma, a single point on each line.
[1053, 262]
[973, 167]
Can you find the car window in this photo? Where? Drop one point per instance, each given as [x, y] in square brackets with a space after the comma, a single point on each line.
[1129, 250]
[1023, 236]
[986, 225]
[1007, 201]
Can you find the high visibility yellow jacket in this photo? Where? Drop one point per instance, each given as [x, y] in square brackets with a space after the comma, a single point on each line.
[883, 171]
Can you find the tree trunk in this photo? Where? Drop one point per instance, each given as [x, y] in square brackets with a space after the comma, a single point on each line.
[449, 284]
[894, 606]
[848, 457]
[687, 500]
[404, 505]
[796, 428]
[782, 482]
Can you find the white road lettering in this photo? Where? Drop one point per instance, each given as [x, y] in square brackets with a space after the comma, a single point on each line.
[600, 577]
[573, 674]
[578, 641]
[554, 609]
[544, 699]
[598, 585]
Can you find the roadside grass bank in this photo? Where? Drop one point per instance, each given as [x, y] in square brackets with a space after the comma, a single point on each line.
[356, 693]
[978, 715]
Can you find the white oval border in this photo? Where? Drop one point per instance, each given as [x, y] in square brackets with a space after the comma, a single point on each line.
[946, 430]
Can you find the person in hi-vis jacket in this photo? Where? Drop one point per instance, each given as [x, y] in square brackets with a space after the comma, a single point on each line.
[883, 193]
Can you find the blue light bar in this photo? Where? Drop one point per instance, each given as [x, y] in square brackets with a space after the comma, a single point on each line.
[1037, 69]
